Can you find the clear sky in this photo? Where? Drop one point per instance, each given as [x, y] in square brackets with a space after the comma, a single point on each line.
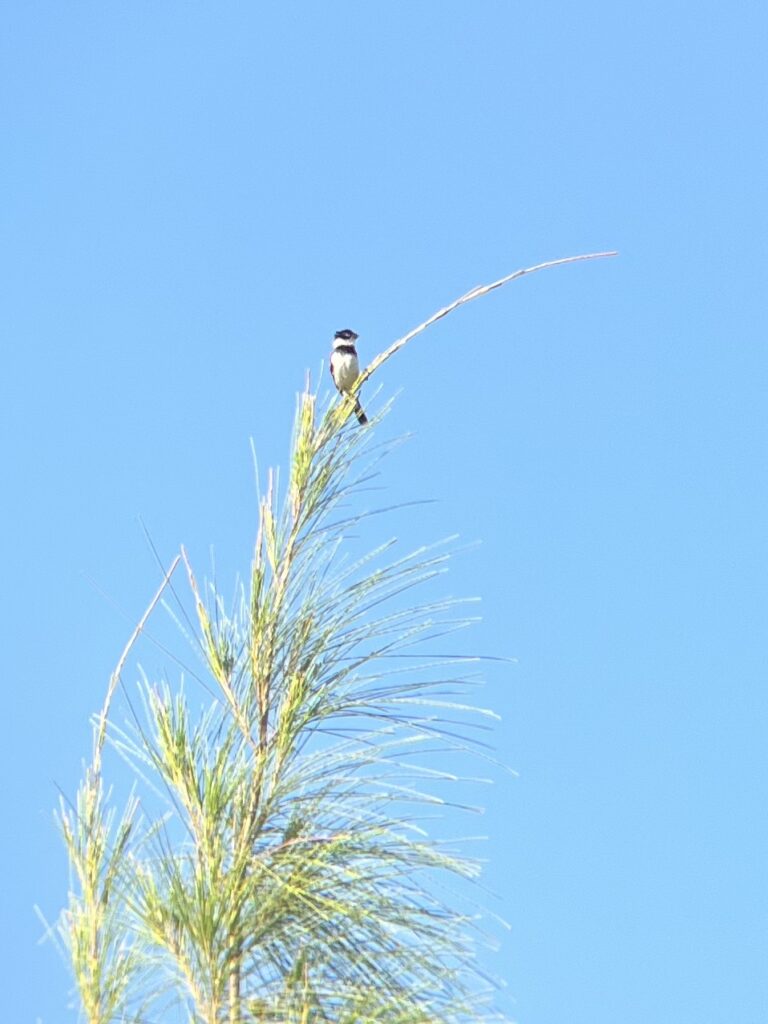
[195, 196]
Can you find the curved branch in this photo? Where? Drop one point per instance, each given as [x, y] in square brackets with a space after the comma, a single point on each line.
[474, 293]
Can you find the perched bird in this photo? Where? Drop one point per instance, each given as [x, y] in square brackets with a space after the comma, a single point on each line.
[345, 368]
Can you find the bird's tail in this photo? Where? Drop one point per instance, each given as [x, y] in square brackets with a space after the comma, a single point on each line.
[362, 419]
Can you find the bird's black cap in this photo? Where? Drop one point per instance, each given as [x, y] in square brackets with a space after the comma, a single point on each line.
[345, 335]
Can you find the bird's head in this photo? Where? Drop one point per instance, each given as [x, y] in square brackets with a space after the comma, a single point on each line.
[345, 336]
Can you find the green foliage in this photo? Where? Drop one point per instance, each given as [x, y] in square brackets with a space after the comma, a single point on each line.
[287, 878]
[105, 958]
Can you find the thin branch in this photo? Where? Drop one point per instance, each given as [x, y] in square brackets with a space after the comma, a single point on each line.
[474, 293]
[115, 677]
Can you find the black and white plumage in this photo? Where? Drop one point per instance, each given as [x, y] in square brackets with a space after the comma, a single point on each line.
[345, 367]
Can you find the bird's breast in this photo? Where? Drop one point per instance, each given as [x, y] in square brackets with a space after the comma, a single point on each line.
[346, 370]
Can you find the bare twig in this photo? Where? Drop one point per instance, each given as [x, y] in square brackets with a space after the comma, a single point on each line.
[474, 293]
[115, 677]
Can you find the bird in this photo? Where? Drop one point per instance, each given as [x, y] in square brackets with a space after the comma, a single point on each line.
[345, 367]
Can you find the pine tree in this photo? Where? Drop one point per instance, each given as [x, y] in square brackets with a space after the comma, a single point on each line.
[286, 876]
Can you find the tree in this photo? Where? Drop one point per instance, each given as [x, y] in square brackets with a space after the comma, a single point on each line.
[286, 876]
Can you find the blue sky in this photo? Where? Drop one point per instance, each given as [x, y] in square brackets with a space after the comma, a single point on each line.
[196, 195]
